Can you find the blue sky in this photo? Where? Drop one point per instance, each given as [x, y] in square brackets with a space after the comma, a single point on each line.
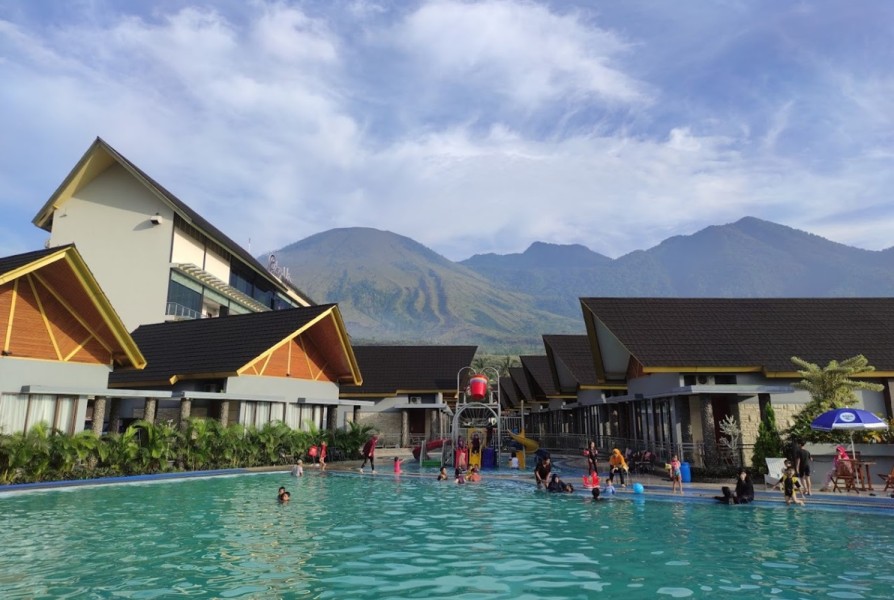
[469, 126]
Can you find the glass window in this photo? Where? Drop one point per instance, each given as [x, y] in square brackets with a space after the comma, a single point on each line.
[182, 295]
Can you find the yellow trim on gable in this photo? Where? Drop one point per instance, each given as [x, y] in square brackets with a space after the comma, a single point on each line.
[80, 347]
[12, 314]
[43, 315]
[335, 315]
[36, 264]
[101, 302]
[712, 369]
[71, 310]
[796, 375]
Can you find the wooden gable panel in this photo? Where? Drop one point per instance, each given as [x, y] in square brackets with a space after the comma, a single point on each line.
[299, 365]
[28, 336]
[278, 362]
[316, 359]
[68, 333]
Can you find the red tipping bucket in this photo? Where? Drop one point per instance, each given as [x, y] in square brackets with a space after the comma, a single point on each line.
[478, 387]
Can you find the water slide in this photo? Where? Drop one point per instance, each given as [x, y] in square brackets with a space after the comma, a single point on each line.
[528, 444]
[432, 445]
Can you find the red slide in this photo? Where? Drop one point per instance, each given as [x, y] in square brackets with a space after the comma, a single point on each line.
[432, 445]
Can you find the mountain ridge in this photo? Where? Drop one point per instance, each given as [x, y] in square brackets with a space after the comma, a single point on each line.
[393, 289]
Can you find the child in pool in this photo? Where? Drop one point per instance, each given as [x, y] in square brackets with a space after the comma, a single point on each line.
[298, 469]
[442, 474]
[397, 463]
[459, 475]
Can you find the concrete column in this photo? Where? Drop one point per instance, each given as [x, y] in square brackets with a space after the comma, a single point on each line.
[185, 410]
[150, 409]
[224, 413]
[332, 417]
[708, 429]
[114, 406]
[404, 428]
[99, 414]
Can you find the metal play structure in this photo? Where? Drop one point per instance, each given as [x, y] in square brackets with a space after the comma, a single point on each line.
[476, 434]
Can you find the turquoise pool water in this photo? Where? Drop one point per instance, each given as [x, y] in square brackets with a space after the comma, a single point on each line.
[345, 536]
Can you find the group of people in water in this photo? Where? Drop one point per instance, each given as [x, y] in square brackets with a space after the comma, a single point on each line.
[794, 484]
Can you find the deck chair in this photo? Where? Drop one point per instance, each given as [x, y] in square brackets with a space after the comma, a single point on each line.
[775, 471]
[845, 477]
[888, 479]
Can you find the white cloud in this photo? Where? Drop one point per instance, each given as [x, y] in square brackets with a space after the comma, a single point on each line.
[281, 123]
[523, 52]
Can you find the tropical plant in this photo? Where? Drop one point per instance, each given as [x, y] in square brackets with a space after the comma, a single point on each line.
[768, 443]
[830, 387]
[158, 445]
[119, 452]
[201, 445]
[348, 442]
[71, 454]
[730, 428]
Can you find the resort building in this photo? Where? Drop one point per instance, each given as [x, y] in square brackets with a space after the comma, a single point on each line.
[155, 257]
[61, 340]
[411, 390]
[253, 369]
[688, 364]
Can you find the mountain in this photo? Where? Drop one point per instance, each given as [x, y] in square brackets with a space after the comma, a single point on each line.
[748, 258]
[393, 289]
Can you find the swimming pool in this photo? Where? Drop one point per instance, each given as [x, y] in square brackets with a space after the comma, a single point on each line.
[350, 536]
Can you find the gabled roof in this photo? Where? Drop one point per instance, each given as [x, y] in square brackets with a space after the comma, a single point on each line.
[222, 347]
[390, 370]
[721, 334]
[63, 271]
[541, 377]
[98, 158]
[574, 352]
[508, 392]
[522, 386]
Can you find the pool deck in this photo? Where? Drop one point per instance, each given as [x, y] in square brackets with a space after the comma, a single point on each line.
[570, 468]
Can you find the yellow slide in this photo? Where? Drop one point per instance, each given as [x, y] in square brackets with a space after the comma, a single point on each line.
[528, 445]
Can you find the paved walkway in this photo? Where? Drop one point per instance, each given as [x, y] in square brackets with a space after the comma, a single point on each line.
[571, 469]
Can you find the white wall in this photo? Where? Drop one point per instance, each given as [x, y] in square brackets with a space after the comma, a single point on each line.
[109, 221]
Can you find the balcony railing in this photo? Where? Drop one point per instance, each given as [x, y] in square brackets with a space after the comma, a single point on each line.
[180, 312]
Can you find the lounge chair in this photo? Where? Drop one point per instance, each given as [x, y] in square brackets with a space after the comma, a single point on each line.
[888, 479]
[775, 471]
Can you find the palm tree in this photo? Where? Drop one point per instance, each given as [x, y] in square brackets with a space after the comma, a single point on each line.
[830, 387]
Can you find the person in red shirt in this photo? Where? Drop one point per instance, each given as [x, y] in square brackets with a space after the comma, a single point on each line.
[369, 453]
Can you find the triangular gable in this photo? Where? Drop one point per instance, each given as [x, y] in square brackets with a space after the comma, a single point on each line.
[319, 350]
[99, 157]
[52, 308]
[223, 347]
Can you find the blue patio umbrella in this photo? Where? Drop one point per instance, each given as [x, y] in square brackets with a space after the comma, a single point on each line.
[847, 419]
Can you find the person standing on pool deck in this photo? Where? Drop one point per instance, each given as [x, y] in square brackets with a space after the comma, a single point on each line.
[676, 474]
[592, 454]
[541, 472]
[324, 450]
[802, 466]
[369, 453]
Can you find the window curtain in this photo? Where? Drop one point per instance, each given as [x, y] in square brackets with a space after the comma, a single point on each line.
[42, 410]
[13, 411]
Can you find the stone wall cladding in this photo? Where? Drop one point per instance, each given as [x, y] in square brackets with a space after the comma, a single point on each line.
[386, 424]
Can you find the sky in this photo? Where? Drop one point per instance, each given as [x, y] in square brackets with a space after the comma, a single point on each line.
[471, 127]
